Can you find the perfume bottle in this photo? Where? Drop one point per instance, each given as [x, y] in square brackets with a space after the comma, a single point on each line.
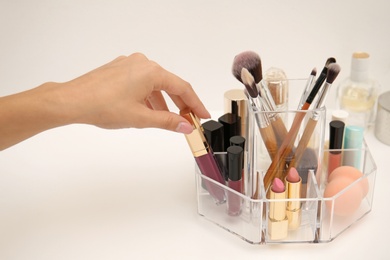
[358, 93]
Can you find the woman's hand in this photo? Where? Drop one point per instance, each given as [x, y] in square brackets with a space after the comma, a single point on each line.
[125, 93]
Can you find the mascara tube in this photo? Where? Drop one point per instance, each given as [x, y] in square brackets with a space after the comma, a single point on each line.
[204, 157]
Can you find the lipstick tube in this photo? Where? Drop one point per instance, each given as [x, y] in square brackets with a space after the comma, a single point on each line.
[204, 157]
[293, 190]
[234, 201]
[231, 127]
[235, 102]
[277, 217]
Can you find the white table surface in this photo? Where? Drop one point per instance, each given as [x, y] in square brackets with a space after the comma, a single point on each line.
[80, 192]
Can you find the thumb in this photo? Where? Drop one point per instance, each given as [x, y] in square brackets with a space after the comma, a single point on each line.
[167, 120]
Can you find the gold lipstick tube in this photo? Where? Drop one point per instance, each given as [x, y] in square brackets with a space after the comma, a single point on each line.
[293, 209]
[277, 218]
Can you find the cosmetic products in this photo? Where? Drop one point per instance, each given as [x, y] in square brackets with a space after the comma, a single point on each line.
[214, 134]
[231, 127]
[204, 157]
[382, 125]
[350, 199]
[235, 159]
[246, 178]
[277, 217]
[276, 169]
[308, 162]
[309, 85]
[353, 142]
[336, 130]
[257, 104]
[277, 83]
[340, 115]
[353, 174]
[281, 192]
[235, 102]
[238, 141]
[358, 93]
[293, 190]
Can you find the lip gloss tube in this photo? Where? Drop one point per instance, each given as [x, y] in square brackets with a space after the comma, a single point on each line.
[204, 157]
[336, 128]
[277, 217]
[234, 201]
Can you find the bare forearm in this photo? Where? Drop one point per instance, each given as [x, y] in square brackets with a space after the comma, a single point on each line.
[28, 113]
[123, 93]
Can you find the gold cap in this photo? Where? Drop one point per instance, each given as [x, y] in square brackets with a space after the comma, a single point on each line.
[235, 102]
[196, 140]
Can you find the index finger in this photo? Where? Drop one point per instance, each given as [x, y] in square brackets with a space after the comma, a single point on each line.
[174, 85]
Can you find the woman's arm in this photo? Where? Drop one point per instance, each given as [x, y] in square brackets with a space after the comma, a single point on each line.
[121, 94]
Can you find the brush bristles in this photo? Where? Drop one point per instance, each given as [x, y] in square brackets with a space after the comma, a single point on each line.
[330, 61]
[313, 72]
[249, 82]
[333, 72]
[249, 60]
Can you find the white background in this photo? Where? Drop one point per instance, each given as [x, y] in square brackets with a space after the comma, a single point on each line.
[79, 192]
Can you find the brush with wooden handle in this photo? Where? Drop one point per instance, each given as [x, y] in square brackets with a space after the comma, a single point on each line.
[252, 62]
[262, 120]
[333, 71]
[278, 165]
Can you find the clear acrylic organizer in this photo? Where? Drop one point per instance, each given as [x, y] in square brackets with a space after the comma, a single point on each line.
[319, 221]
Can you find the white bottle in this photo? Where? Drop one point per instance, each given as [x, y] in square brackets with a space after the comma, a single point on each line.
[358, 93]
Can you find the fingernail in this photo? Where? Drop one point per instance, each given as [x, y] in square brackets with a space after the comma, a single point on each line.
[184, 128]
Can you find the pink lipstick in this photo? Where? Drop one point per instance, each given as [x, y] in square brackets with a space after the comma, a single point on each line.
[277, 217]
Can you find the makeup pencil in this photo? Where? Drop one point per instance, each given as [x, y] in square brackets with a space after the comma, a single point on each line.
[262, 121]
[277, 167]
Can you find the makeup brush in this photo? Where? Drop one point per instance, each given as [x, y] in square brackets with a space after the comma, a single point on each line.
[252, 62]
[263, 123]
[249, 60]
[275, 118]
[308, 86]
[333, 71]
[277, 167]
[318, 83]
